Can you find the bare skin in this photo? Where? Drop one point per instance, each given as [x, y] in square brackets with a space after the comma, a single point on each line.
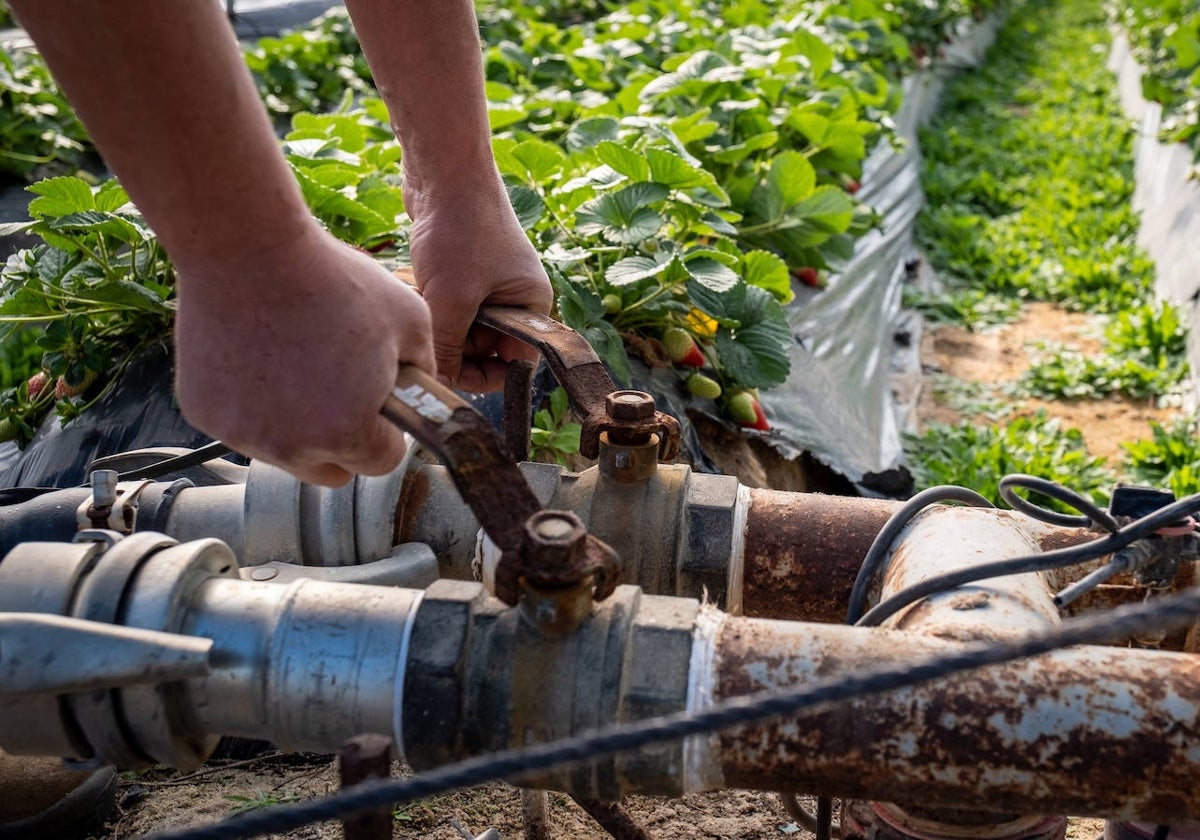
[287, 340]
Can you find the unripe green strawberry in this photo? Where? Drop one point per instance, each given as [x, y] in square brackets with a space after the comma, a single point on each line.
[612, 303]
[741, 408]
[747, 411]
[8, 430]
[681, 347]
[702, 386]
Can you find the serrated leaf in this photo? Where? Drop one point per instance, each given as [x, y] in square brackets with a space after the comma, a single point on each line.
[110, 197]
[128, 295]
[634, 269]
[590, 132]
[500, 117]
[60, 196]
[792, 177]
[767, 271]
[109, 224]
[9, 228]
[711, 274]
[813, 48]
[541, 160]
[740, 151]
[755, 353]
[828, 206]
[559, 255]
[623, 216]
[528, 205]
[633, 165]
[718, 224]
[673, 171]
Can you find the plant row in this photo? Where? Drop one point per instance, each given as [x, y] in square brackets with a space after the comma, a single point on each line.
[1029, 177]
[679, 165]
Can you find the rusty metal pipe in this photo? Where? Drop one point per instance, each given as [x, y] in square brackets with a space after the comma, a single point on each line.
[1037, 736]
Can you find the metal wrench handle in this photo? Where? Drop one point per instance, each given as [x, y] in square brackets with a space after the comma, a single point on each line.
[489, 482]
[580, 372]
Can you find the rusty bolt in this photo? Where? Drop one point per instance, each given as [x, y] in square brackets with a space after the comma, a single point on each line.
[553, 538]
[630, 406]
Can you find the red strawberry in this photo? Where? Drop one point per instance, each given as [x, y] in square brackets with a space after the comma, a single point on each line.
[747, 411]
[809, 276]
[63, 389]
[853, 186]
[37, 384]
[702, 386]
[681, 348]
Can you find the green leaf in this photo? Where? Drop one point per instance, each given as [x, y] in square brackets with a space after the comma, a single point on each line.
[110, 197]
[60, 196]
[755, 353]
[673, 171]
[791, 177]
[623, 216]
[626, 161]
[499, 117]
[828, 206]
[528, 205]
[767, 271]
[634, 269]
[813, 48]
[128, 295]
[541, 160]
[109, 224]
[590, 132]
[711, 274]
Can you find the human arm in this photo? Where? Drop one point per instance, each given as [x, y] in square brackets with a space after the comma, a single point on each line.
[466, 244]
[288, 341]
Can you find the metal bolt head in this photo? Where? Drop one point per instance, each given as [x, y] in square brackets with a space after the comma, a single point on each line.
[553, 537]
[104, 488]
[629, 406]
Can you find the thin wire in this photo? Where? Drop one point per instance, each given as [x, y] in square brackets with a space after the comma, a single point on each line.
[1092, 513]
[1169, 613]
[896, 523]
[1057, 559]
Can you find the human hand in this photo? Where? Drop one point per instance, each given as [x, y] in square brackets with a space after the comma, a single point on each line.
[467, 249]
[289, 356]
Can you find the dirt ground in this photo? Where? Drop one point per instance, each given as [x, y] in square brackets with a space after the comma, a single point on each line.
[998, 357]
[159, 799]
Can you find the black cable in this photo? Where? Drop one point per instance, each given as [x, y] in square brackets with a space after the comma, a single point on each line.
[178, 463]
[1046, 561]
[1092, 513]
[896, 523]
[1170, 613]
[1161, 832]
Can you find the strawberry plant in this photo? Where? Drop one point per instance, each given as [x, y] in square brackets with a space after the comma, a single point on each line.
[38, 129]
[1165, 35]
[554, 438]
[1145, 358]
[978, 456]
[1169, 458]
[98, 288]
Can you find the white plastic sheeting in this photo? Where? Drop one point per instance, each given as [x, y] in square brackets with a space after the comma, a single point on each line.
[1168, 201]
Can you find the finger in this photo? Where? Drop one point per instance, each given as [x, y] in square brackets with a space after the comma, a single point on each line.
[381, 451]
[481, 375]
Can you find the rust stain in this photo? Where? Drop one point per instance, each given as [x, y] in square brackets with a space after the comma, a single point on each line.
[803, 551]
[980, 741]
[410, 507]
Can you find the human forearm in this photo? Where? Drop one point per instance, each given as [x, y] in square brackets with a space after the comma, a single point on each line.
[425, 56]
[166, 96]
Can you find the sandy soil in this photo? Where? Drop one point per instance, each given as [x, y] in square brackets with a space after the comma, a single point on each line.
[998, 357]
